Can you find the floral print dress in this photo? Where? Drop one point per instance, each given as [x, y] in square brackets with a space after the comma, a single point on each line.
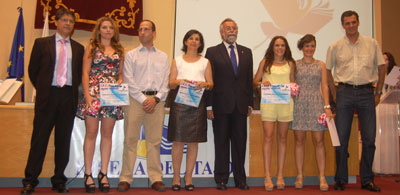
[104, 69]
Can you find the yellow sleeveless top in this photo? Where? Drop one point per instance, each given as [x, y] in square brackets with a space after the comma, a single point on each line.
[277, 112]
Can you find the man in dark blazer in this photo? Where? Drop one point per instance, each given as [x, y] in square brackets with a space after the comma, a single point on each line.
[55, 70]
[232, 101]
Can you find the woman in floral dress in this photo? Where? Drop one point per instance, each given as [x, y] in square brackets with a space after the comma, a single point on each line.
[102, 63]
[308, 107]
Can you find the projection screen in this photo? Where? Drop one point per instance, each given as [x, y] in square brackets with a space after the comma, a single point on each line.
[260, 20]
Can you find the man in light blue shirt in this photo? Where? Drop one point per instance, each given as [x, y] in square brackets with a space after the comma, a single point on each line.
[55, 70]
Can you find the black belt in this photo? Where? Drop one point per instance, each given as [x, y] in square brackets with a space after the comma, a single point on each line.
[369, 85]
[149, 92]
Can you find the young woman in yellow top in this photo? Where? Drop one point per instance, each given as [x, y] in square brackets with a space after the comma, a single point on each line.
[277, 67]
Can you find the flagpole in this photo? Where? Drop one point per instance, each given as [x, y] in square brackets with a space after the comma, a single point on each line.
[45, 33]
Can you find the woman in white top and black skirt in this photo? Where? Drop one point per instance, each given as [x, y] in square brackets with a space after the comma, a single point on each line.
[188, 124]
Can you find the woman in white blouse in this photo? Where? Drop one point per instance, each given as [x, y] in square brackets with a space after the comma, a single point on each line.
[188, 124]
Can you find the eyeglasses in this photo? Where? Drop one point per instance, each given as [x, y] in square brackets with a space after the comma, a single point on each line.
[67, 20]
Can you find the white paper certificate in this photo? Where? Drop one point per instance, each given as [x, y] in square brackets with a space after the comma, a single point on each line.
[114, 95]
[188, 95]
[275, 94]
[333, 132]
[392, 78]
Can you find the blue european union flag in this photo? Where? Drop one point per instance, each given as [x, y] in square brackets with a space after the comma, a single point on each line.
[15, 68]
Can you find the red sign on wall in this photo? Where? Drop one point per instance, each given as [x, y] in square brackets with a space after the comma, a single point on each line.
[126, 13]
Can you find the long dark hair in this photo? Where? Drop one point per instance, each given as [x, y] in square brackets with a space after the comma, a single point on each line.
[391, 62]
[269, 54]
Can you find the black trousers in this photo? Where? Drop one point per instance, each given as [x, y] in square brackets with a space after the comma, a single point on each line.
[59, 113]
[362, 99]
[230, 136]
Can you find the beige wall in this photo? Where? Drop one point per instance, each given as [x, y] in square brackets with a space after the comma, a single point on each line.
[391, 28]
[378, 21]
[162, 12]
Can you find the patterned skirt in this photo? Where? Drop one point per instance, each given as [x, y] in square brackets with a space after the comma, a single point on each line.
[187, 123]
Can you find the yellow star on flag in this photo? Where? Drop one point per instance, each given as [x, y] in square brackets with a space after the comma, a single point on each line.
[21, 48]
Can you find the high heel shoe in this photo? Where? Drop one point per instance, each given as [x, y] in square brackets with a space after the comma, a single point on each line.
[299, 182]
[323, 185]
[189, 187]
[269, 186]
[176, 187]
[280, 183]
[90, 188]
[104, 187]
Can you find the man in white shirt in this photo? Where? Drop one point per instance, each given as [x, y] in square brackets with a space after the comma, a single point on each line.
[146, 71]
[357, 63]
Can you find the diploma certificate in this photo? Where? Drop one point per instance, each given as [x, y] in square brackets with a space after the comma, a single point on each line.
[392, 78]
[333, 132]
[114, 95]
[275, 94]
[188, 95]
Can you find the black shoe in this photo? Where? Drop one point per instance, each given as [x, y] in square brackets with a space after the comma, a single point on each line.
[189, 187]
[176, 187]
[27, 189]
[90, 188]
[339, 186]
[242, 186]
[371, 186]
[60, 188]
[221, 186]
[104, 187]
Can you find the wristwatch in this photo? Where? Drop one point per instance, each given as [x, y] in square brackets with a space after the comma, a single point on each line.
[157, 99]
[378, 92]
[327, 107]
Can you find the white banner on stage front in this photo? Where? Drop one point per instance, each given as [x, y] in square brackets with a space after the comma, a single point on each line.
[204, 166]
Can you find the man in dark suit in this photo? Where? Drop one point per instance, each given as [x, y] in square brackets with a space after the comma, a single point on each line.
[232, 101]
[55, 70]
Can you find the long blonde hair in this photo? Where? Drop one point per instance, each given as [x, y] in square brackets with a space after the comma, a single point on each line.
[95, 41]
